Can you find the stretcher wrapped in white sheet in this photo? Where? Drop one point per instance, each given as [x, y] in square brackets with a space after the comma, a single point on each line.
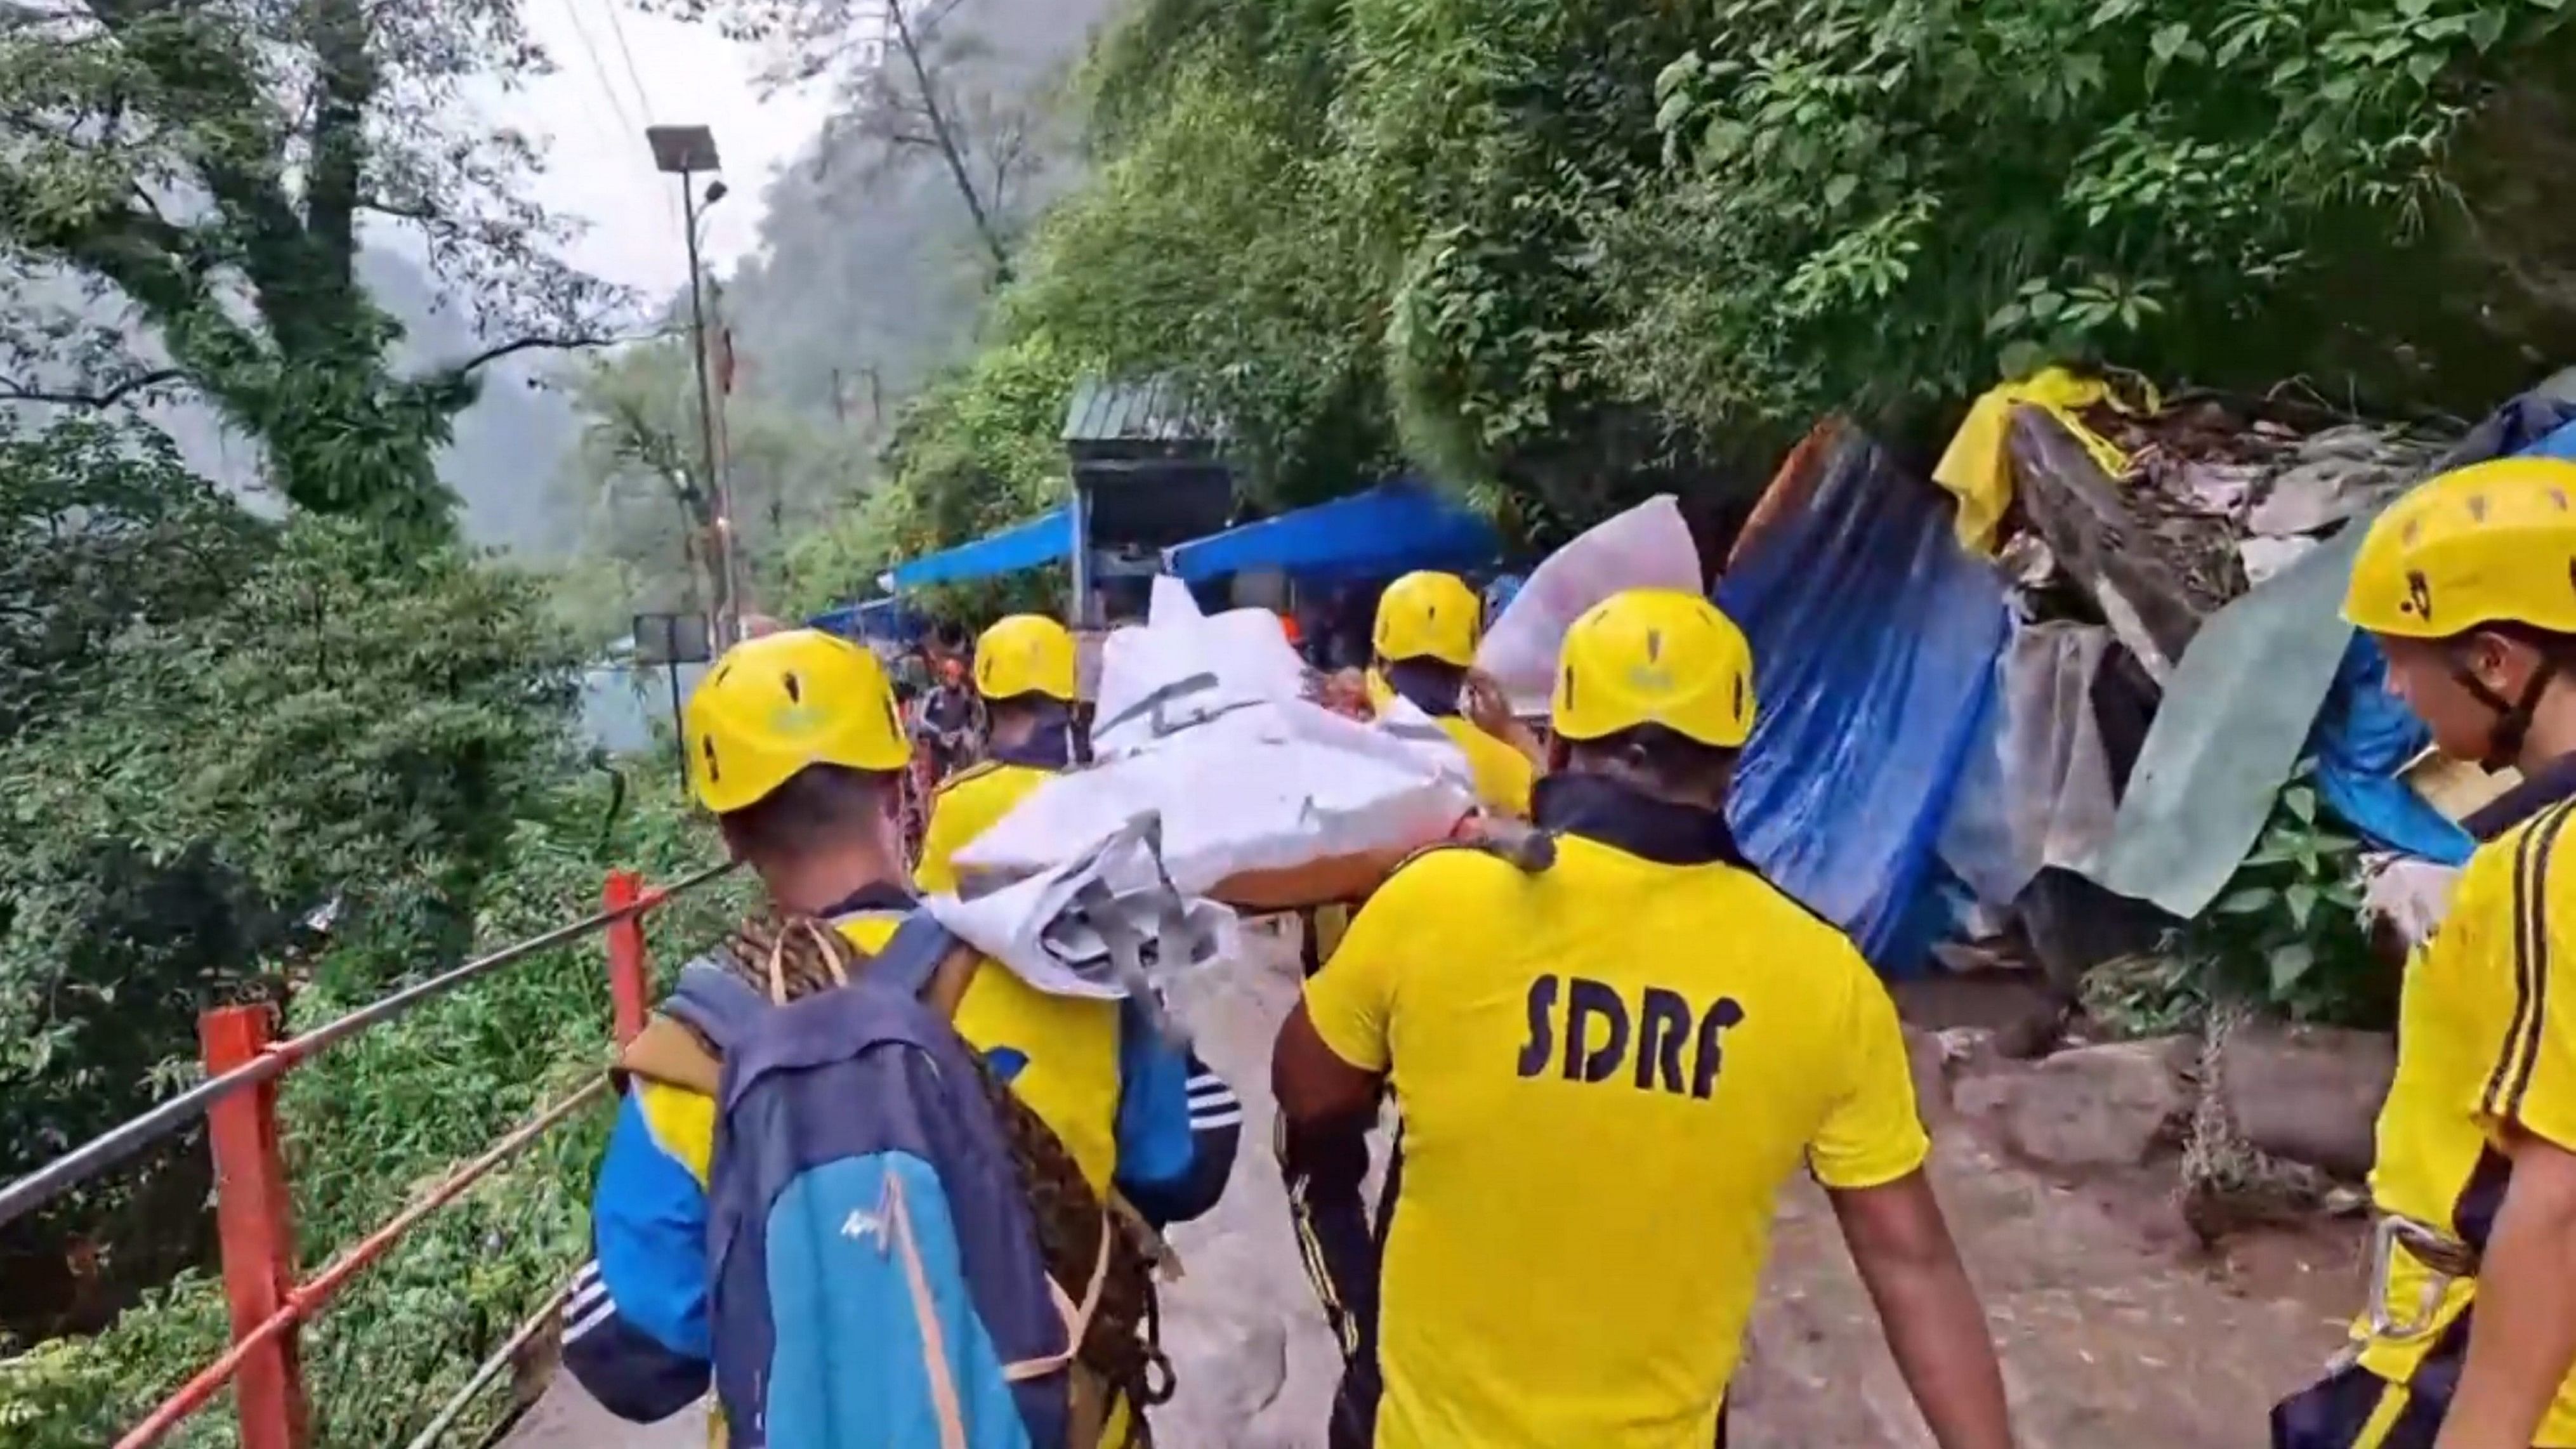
[1106, 924]
[1263, 799]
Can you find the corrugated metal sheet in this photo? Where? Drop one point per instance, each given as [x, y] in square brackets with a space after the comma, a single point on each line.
[1154, 410]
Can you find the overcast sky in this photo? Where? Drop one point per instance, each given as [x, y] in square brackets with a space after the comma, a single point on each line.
[595, 107]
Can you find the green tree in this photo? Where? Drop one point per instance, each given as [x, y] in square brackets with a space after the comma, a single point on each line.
[1882, 207]
[231, 742]
[213, 169]
[644, 510]
[1565, 252]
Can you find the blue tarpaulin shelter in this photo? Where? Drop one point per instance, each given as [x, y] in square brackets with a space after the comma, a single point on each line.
[1390, 529]
[1045, 539]
[875, 619]
[1874, 643]
[2364, 736]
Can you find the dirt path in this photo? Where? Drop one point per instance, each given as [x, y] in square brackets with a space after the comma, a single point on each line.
[2116, 1335]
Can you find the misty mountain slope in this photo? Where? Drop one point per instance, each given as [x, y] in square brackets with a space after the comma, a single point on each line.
[507, 445]
[869, 264]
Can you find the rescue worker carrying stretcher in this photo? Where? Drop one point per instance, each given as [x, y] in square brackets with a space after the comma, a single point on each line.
[795, 746]
[1608, 1069]
[2467, 1342]
[1025, 671]
[1424, 646]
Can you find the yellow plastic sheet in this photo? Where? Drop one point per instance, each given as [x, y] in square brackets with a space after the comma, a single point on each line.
[1976, 467]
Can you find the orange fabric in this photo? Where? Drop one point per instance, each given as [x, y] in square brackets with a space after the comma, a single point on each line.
[1789, 487]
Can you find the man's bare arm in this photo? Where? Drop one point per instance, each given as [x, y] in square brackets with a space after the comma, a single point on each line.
[2523, 1340]
[1311, 1081]
[1928, 1309]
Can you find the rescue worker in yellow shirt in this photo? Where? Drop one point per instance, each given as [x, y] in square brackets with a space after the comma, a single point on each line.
[1024, 670]
[1609, 1068]
[2469, 1337]
[795, 747]
[1423, 649]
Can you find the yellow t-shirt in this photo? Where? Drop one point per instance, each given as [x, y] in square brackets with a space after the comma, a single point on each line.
[2486, 1035]
[1607, 1071]
[1504, 776]
[968, 804]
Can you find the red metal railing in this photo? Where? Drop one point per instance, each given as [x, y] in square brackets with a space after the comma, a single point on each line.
[254, 1203]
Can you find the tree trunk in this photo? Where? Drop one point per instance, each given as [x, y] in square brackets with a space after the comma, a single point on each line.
[943, 132]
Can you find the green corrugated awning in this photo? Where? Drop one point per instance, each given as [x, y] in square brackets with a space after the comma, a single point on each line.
[1153, 410]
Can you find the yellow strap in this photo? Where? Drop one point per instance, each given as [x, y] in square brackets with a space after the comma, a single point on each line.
[2383, 1417]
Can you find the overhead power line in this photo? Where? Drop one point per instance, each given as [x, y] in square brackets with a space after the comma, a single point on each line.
[598, 71]
[617, 29]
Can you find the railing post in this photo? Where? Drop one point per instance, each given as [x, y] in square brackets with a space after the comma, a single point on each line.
[628, 983]
[255, 1223]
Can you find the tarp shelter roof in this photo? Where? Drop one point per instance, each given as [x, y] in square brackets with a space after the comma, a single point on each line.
[873, 619]
[1387, 530]
[1874, 639]
[1042, 540]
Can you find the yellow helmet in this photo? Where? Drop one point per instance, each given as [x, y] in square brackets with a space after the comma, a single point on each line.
[2492, 543]
[773, 705]
[1025, 654]
[1659, 657]
[1427, 615]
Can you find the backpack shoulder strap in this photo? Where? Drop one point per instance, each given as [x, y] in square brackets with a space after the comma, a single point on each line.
[924, 959]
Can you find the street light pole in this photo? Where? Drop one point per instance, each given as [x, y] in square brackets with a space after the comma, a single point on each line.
[728, 594]
[685, 151]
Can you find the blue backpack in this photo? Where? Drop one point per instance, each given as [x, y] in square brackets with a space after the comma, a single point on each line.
[876, 1273]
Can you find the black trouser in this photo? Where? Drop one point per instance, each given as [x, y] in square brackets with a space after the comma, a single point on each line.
[2332, 1412]
[1325, 1167]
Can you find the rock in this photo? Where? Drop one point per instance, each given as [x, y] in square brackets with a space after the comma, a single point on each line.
[2097, 1106]
[2309, 1094]
[1929, 1061]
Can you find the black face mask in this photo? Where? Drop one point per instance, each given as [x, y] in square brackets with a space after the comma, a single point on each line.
[2538, 791]
[882, 896]
[1623, 817]
[1428, 687]
[1053, 745]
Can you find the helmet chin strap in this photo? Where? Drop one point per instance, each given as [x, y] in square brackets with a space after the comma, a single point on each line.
[2513, 718]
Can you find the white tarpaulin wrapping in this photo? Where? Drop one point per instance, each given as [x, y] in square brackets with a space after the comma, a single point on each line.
[1647, 547]
[1202, 727]
[1105, 924]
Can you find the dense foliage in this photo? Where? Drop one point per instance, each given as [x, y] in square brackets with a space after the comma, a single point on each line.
[217, 728]
[297, 754]
[371, 1122]
[1563, 252]
[213, 168]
